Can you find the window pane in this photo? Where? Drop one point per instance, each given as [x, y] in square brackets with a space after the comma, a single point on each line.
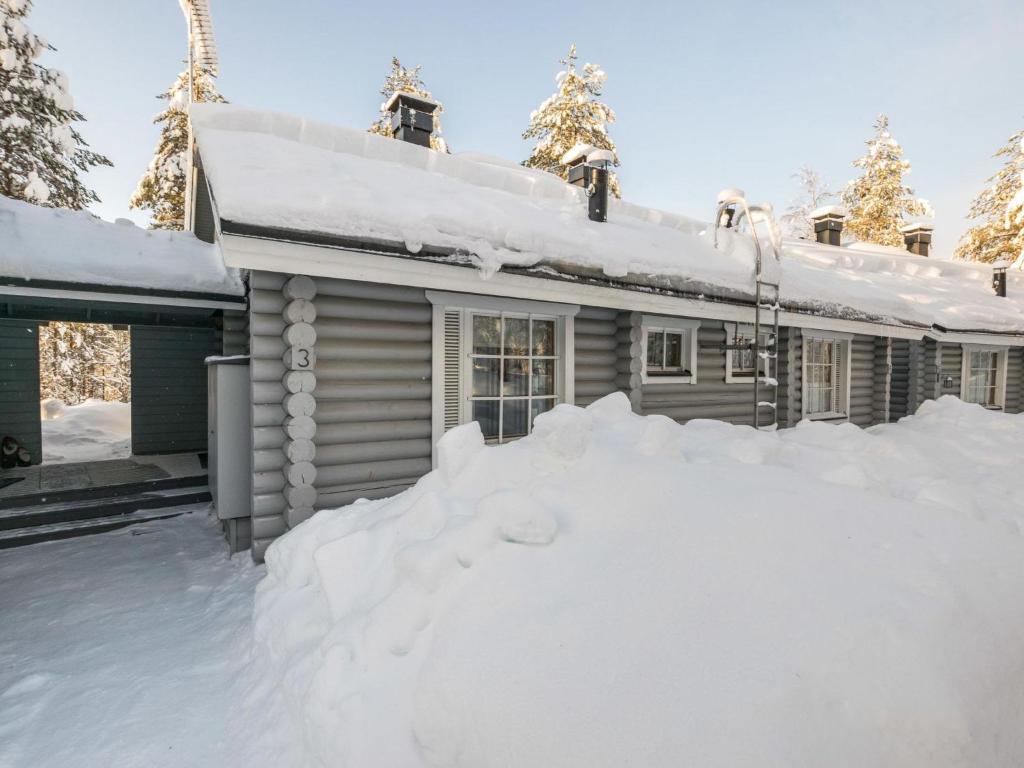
[516, 380]
[540, 406]
[543, 381]
[544, 337]
[673, 350]
[517, 336]
[486, 335]
[514, 424]
[655, 349]
[486, 373]
[486, 412]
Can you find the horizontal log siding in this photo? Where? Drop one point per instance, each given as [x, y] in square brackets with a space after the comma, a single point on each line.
[862, 381]
[1015, 380]
[710, 397]
[882, 384]
[596, 349]
[19, 385]
[952, 367]
[900, 397]
[265, 326]
[373, 390]
[235, 333]
[791, 361]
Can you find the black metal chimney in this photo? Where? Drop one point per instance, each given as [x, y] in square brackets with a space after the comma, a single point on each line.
[828, 224]
[588, 168]
[999, 278]
[918, 238]
[412, 118]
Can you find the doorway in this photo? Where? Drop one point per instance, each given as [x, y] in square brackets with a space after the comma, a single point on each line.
[85, 392]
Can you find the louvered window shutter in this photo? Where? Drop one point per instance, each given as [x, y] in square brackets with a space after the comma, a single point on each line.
[452, 367]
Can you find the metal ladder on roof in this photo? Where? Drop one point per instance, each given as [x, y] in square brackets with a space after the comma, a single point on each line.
[732, 210]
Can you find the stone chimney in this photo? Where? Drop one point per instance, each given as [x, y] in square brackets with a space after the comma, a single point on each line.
[412, 118]
[828, 224]
[918, 238]
[588, 168]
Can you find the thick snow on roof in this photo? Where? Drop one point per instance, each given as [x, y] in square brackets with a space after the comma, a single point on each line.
[275, 170]
[74, 246]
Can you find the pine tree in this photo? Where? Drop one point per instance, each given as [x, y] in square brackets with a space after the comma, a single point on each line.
[407, 81]
[814, 193]
[571, 116]
[161, 189]
[1000, 233]
[41, 153]
[877, 201]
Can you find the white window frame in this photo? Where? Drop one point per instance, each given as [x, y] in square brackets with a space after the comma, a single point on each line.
[844, 370]
[688, 329]
[732, 330]
[1002, 357]
[468, 305]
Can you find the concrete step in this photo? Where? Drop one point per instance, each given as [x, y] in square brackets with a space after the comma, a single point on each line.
[100, 492]
[38, 534]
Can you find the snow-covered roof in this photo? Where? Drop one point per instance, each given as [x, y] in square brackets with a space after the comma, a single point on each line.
[278, 171]
[76, 247]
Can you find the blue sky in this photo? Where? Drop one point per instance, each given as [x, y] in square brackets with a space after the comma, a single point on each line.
[708, 95]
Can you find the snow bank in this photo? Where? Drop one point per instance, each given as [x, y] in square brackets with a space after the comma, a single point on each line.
[621, 590]
[77, 247]
[90, 431]
[270, 169]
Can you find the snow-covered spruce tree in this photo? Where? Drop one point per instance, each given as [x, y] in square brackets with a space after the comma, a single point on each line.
[82, 360]
[877, 202]
[814, 193]
[1000, 232]
[41, 153]
[407, 81]
[161, 189]
[572, 115]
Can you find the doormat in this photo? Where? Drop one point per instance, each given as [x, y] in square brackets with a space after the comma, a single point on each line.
[5, 481]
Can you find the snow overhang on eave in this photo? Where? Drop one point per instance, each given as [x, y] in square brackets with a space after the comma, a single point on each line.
[981, 338]
[117, 294]
[273, 249]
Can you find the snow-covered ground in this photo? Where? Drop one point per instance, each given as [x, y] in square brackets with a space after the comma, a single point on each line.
[120, 650]
[618, 590]
[612, 590]
[90, 431]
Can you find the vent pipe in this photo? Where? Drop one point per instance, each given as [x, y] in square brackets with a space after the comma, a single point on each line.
[588, 168]
[412, 117]
[918, 238]
[828, 224]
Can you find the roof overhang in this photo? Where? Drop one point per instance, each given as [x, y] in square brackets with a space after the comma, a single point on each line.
[51, 289]
[250, 251]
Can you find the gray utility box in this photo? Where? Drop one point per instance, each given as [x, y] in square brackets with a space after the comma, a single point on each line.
[229, 450]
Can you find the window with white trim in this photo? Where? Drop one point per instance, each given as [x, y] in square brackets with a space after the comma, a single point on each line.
[740, 364]
[983, 376]
[499, 362]
[669, 350]
[826, 376]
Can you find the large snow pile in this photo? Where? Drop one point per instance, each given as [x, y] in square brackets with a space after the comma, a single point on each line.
[77, 247]
[621, 590]
[90, 431]
[275, 170]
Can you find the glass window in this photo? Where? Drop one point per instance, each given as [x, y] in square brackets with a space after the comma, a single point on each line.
[667, 352]
[982, 378]
[513, 373]
[742, 361]
[821, 368]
